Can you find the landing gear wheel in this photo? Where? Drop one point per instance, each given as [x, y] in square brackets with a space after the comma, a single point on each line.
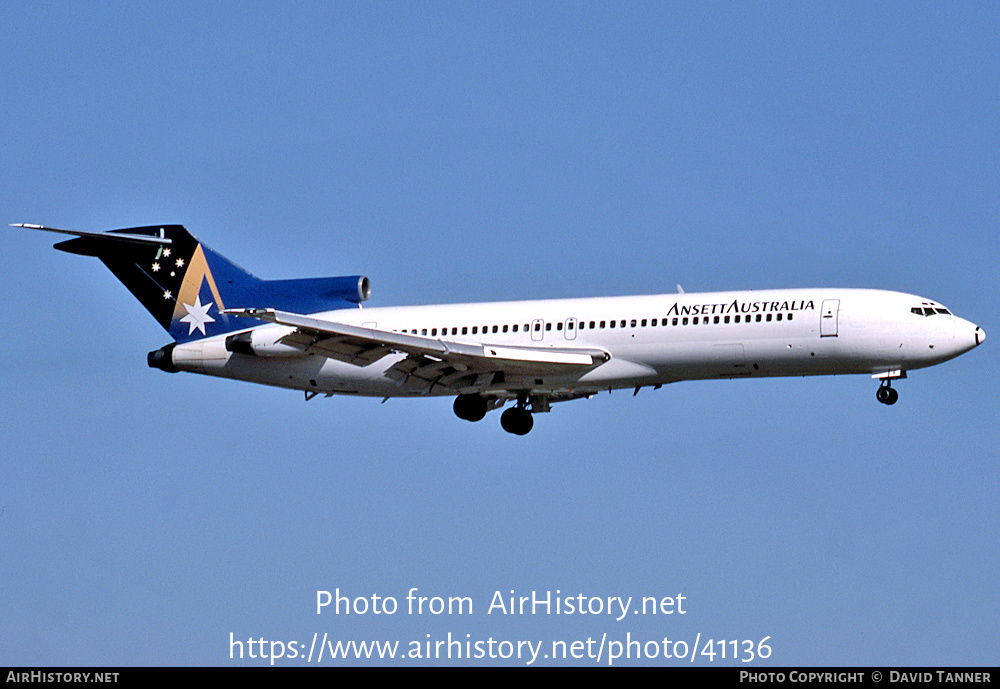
[470, 407]
[886, 395]
[517, 420]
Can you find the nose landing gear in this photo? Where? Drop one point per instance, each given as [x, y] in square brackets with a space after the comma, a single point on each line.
[886, 394]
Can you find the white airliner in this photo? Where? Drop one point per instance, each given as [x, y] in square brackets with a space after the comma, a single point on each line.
[313, 335]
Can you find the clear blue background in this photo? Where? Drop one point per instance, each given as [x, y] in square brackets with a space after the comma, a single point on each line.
[475, 152]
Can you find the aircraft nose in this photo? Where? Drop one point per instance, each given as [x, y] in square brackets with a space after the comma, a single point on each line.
[965, 335]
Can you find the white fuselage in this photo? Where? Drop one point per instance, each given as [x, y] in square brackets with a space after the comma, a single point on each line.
[651, 340]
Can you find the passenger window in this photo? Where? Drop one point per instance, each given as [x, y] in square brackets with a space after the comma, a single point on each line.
[778, 316]
[694, 321]
[515, 327]
[716, 319]
[465, 331]
[548, 327]
[423, 331]
[505, 328]
[790, 316]
[633, 323]
[613, 323]
[758, 318]
[768, 318]
[475, 329]
[684, 322]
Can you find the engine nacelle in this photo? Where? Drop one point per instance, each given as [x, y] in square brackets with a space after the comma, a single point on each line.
[308, 295]
[163, 359]
[262, 342]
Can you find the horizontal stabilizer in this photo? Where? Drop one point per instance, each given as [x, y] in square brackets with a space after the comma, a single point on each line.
[109, 236]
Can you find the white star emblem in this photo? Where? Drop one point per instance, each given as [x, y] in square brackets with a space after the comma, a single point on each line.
[156, 267]
[166, 252]
[197, 316]
[180, 262]
[167, 295]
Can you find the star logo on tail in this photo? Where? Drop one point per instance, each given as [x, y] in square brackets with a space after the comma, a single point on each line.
[197, 316]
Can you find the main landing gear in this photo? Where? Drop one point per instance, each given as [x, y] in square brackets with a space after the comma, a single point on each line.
[470, 407]
[886, 394]
[516, 420]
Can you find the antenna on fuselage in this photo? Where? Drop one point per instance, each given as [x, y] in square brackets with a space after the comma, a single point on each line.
[680, 290]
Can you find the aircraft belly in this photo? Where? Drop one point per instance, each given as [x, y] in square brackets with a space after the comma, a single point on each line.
[764, 358]
[696, 360]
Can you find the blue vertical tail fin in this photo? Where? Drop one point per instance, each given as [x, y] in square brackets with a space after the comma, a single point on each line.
[186, 286]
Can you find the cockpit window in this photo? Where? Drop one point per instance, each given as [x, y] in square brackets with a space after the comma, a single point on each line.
[928, 311]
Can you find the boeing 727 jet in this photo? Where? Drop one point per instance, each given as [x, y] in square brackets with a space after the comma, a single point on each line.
[313, 335]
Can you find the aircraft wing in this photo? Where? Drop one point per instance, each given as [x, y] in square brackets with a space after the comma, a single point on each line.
[440, 362]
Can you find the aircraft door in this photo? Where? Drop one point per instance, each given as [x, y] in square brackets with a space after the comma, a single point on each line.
[537, 329]
[569, 328]
[829, 315]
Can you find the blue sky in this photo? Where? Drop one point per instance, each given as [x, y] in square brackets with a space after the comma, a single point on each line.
[473, 152]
